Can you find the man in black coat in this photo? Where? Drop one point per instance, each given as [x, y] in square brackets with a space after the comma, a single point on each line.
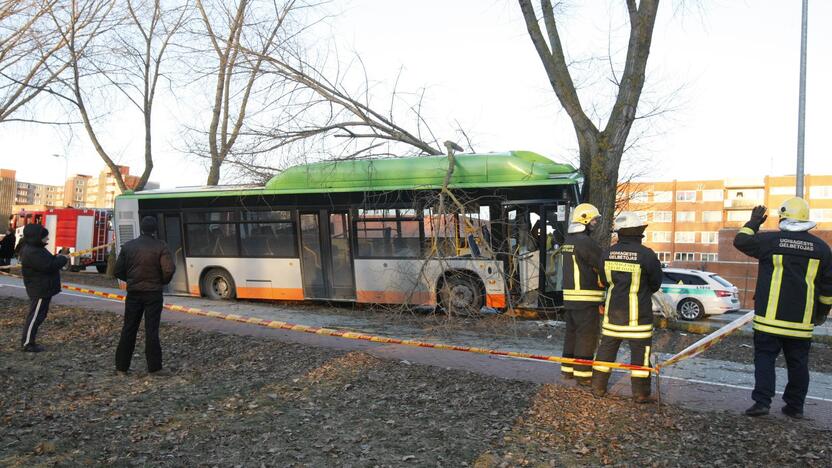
[146, 265]
[7, 248]
[42, 278]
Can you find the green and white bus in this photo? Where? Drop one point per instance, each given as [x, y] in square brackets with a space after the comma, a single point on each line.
[369, 231]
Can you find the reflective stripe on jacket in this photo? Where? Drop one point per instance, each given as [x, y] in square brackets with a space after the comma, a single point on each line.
[582, 284]
[633, 273]
[794, 279]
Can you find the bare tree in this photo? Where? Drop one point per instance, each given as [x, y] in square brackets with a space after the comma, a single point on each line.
[123, 50]
[600, 149]
[30, 54]
[231, 32]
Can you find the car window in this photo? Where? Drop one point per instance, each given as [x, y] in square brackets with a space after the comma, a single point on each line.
[722, 281]
[682, 278]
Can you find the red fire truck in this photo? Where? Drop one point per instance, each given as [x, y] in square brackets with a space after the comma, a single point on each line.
[72, 230]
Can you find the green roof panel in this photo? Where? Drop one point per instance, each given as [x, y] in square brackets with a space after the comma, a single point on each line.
[419, 172]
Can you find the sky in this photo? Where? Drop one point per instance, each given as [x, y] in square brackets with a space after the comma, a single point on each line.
[726, 72]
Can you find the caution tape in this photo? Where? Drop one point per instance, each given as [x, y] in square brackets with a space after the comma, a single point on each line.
[708, 341]
[277, 324]
[73, 254]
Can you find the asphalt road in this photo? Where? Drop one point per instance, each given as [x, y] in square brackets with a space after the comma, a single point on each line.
[699, 384]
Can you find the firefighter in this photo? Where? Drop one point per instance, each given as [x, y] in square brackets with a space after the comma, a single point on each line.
[793, 292]
[632, 273]
[583, 292]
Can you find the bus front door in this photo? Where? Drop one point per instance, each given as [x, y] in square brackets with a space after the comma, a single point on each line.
[326, 255]
[173, 237]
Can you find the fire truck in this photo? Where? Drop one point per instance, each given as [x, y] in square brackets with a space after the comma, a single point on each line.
[72, 230]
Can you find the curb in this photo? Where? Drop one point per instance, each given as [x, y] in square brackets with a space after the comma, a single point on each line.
[701, 329]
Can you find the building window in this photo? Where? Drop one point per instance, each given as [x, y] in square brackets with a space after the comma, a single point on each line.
[664, 257]
[662, 216]
[711, 216]
[642, 215]
[686, 237]
[820, 191]
[712, 195]
[661, 236]
[710, 237]
[823, 215]
[685, 257]
[686, 216]
[742, 216]
[783, 190]
[709, 257]
[686, 196]
[639, 197]
[662, 197]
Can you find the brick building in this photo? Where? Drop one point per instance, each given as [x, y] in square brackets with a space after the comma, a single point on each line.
[686, 217]
[8, 189]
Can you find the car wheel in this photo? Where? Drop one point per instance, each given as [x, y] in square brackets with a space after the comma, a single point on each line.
[218, 285]
[691, 309]
[460, 295]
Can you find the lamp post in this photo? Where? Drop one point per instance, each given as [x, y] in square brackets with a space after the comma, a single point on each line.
[66, 173]
[801, 111]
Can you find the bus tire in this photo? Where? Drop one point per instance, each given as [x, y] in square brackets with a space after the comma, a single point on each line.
[217, 284]
[460, 294]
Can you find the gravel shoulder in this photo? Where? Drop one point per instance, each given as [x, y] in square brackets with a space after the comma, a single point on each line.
[235, 400]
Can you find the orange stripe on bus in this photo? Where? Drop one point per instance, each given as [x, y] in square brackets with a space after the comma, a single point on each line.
[497, 301]
[395, 297]
[294, 294]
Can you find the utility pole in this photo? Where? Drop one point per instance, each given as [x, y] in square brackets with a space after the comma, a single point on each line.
[801, 112]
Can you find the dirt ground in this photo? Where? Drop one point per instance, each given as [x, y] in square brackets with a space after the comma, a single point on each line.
[735, 348]
[240, 401]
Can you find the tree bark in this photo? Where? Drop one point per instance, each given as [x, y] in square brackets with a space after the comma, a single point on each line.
[600, 151]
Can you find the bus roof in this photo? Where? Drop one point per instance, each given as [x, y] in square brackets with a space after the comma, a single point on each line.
[515, 168]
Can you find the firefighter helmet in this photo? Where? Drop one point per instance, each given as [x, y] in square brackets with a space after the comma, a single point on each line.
[585, 213]
[794, 208]
[627, 220]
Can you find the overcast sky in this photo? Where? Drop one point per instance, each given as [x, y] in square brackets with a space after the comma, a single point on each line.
[728, 70]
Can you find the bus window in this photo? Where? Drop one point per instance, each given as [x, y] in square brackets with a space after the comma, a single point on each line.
[212, 240]
[387, 234]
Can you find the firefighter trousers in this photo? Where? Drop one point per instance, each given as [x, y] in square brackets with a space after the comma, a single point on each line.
[796, 351]
[581, 339]
[138, 304]
[639, 356]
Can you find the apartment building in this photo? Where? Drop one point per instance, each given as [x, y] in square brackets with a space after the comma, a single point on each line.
[75, 191]
[8, 190]
[39, 194]
[101, 191]
[685, 217]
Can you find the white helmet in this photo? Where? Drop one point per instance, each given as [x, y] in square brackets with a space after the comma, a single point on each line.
[627, 220]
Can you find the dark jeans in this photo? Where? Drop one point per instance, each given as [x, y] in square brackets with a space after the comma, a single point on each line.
[581, 339]
[766, 349]
[137, 304]
[38, 308]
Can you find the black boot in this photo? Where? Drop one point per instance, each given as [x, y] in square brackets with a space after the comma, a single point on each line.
[792, 412]
[757, 409]
[599, 383]
[641, 390]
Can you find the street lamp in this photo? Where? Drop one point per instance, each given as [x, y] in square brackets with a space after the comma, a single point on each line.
[66, 164]
[801, 107]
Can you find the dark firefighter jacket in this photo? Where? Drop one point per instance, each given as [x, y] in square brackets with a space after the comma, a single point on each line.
[41, 269]
[146, 264]
[794, 279]
[633, 273]
[581, 271]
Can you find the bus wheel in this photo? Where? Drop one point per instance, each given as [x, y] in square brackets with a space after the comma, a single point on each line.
[101, 268]
[460, 295]
[218, 284]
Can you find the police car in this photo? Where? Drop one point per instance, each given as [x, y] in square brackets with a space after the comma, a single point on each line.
[695, 293]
